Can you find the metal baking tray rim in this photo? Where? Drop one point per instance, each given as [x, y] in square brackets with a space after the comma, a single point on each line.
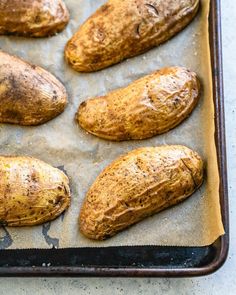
[222, 244]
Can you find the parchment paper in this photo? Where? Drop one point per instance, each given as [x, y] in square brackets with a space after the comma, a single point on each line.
[61, 142]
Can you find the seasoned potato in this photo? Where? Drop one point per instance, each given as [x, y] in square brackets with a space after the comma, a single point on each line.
[29, 95]
[151, 105]
[32, 18]
[31, 191]
[139, 184]
[124, 28]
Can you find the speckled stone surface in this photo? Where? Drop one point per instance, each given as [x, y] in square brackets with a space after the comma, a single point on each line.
[223, 281]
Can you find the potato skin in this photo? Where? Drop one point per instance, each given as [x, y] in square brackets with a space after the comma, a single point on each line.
[149, 106]
[139, 184]
[31, 191]
[32, 18]
[29, 95]
[125, 28]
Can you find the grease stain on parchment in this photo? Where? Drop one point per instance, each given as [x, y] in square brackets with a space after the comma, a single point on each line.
[5, 238]
[52, 242]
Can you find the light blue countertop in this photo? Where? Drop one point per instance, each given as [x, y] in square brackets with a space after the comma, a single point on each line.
[223, 281]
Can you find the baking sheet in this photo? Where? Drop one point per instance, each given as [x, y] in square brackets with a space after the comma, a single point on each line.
[195, 222]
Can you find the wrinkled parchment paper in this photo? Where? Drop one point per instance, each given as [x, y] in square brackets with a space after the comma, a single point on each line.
[61, 142]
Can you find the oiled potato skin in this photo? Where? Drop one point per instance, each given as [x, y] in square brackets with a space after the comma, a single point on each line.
[149, 106]
[31, 191]
[29, 95]
[139, 184]
[124, 28]
[32, 18]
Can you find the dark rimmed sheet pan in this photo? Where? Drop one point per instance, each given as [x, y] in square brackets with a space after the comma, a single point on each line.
[141, 261]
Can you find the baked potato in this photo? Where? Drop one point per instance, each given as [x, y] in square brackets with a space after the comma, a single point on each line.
[31, 191]
[139, 184]
[29, 95]
[124, 28]
[32, 18]
[151, 105]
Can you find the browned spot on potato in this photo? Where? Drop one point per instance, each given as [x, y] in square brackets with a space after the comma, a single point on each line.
[105, 8]
[13, 116]
[37, 19]
[83, 104]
